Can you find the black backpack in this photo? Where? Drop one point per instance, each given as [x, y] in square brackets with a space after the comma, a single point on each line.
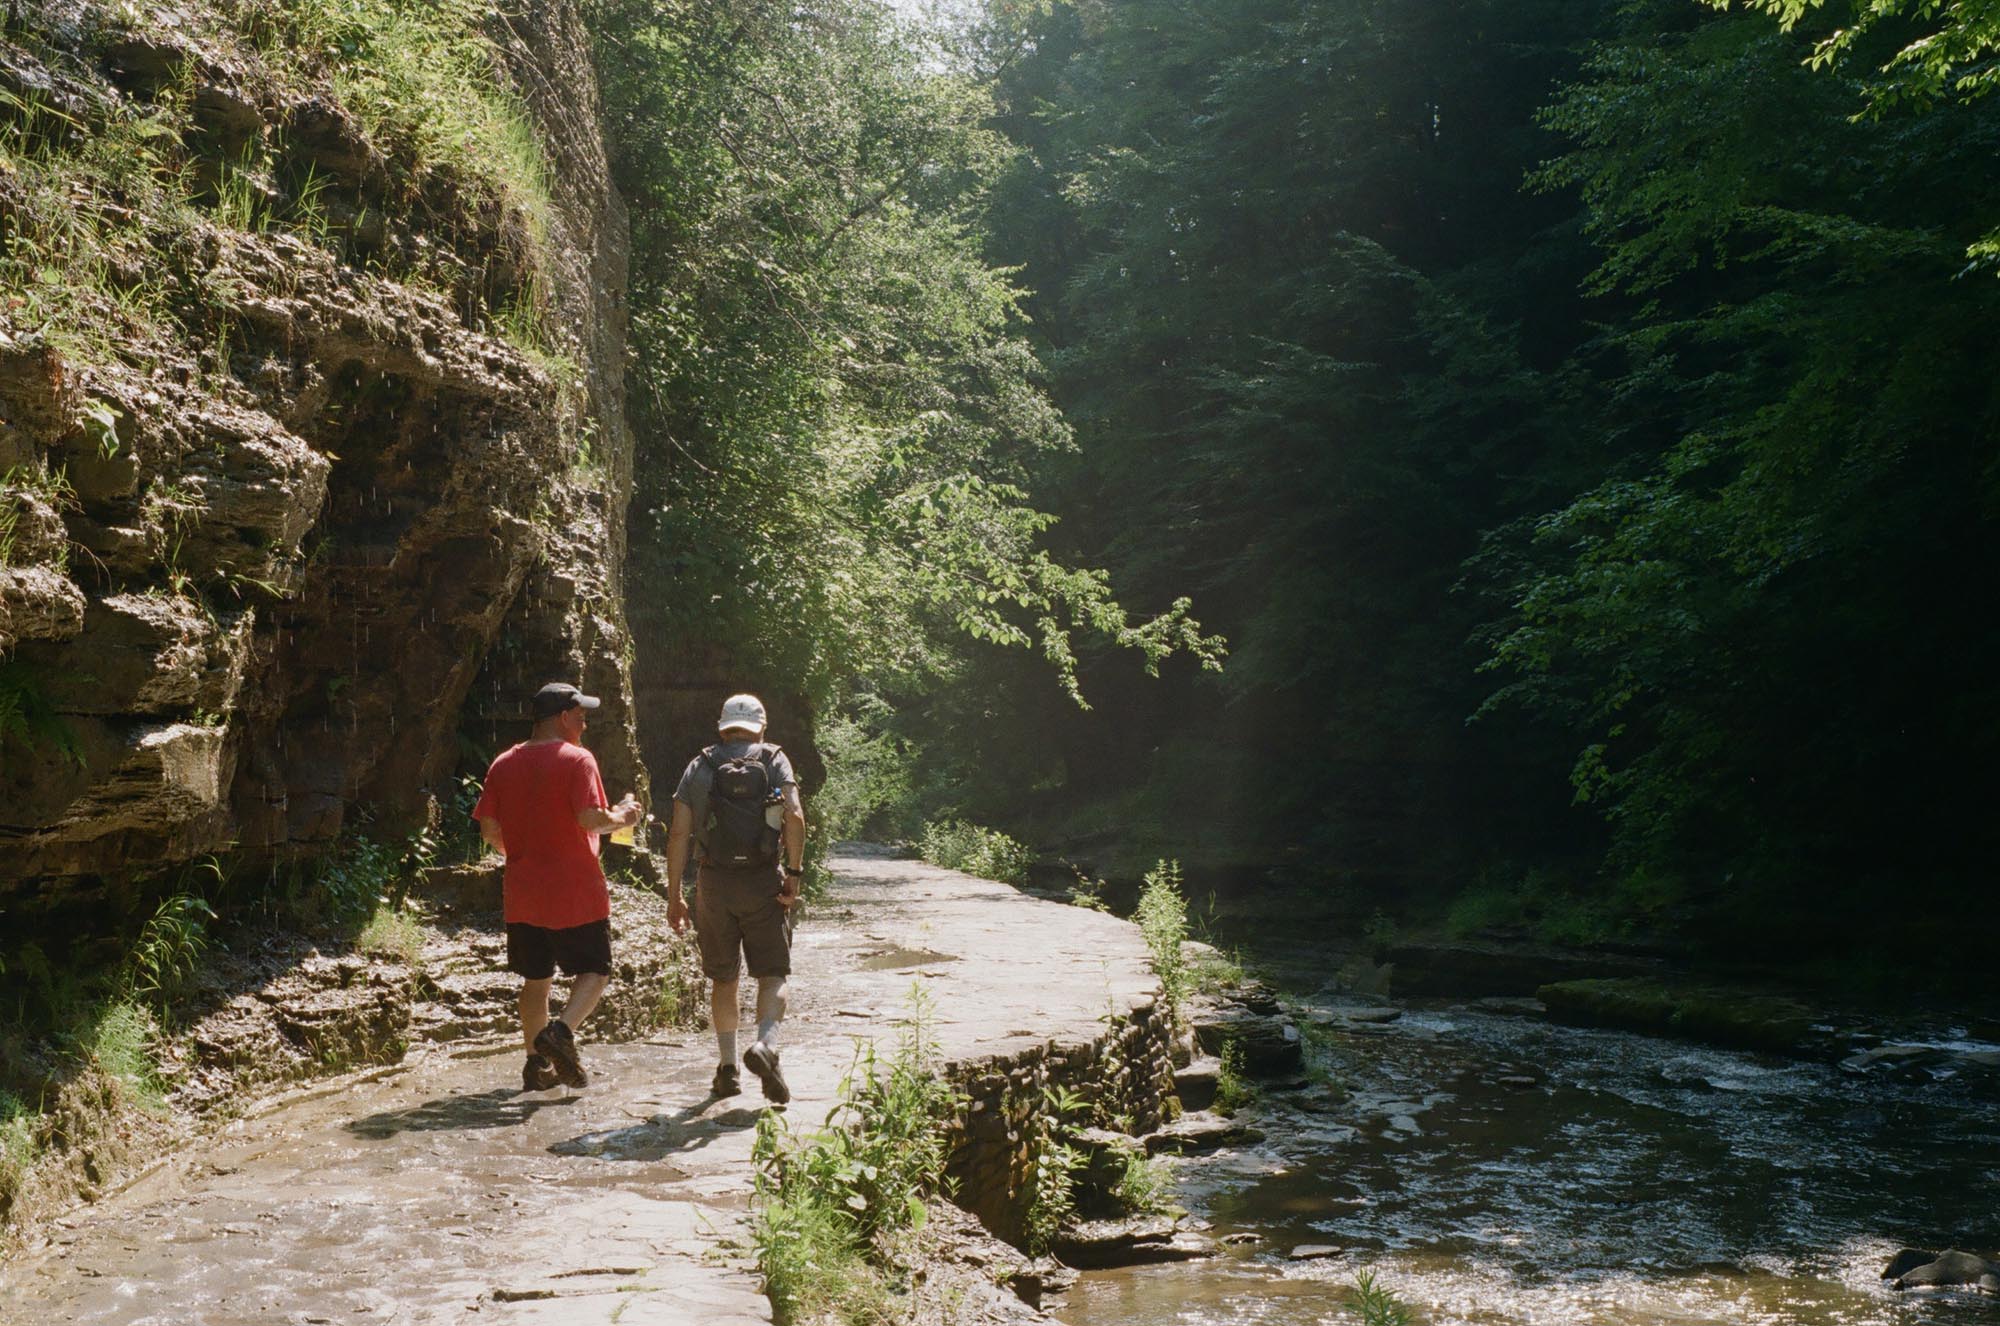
[736, 834]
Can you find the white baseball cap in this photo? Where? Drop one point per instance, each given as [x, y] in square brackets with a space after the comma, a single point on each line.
[744, 711]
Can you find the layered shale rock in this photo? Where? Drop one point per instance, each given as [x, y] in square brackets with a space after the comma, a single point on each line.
[296, 543]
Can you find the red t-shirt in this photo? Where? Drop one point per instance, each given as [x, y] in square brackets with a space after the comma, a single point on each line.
[553, 877]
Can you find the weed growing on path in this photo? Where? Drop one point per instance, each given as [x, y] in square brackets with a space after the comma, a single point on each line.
[832, 1207]
[1163, 921]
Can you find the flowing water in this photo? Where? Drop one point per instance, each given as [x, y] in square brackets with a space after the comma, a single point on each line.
[1488, 1167]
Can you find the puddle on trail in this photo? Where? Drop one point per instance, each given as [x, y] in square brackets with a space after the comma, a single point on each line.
[896, 959]
[1498, 1170]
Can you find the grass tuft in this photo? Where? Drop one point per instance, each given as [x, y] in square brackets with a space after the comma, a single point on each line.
[394, 932]
[119, 1039]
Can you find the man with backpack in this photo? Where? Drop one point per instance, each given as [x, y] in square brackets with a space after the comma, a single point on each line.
[738, 804]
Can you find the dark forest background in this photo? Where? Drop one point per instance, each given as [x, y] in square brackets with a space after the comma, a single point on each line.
[1577, 418]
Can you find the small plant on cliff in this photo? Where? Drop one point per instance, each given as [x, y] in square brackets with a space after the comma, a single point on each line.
[119, 1040]
[20, 483]
[861, 1183]
[163, 959]
[1163, 921]
[27, 716]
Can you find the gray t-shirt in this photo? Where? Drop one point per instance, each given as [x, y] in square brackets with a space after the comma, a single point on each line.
[699, 778]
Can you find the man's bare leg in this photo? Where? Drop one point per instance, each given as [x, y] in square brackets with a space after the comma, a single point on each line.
[772, 998]
[534, 1006]
[762, 1056]
[725, 1017]
[584, 992]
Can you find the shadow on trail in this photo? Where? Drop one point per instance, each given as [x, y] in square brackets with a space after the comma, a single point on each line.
[687, 1129]
[499, 1108]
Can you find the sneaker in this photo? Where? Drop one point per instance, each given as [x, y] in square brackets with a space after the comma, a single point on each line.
[538, 1074]
[762, 1060]
[557, 1043]
[727, 1081]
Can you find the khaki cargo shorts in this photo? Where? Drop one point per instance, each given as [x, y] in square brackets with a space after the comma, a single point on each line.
[737, 918]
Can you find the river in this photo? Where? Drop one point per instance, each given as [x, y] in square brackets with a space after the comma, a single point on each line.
[1490, 1167]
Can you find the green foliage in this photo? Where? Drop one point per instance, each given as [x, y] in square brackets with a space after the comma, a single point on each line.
[119, 1039]
[1283, 403]
[1146, 1185]
[45, 487]
[18, 1146]
[1376, 1305]
[1233, 1090]
[859, 1182]
[869, 777]
[1052, 1168]
[1162, 921]
[831, 384]
[162, 962]
[27, 716]
[422, 78]
[393, 931]
[988, 853]
[345, 887]
[1940, 51]
[1088, 892]
[1744, 618]
[1212, 970]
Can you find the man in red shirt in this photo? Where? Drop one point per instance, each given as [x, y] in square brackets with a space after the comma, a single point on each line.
[542, 808]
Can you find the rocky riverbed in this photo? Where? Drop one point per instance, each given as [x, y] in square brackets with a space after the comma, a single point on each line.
[1490, 1164]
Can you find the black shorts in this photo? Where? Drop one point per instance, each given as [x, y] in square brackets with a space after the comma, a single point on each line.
[534, 952]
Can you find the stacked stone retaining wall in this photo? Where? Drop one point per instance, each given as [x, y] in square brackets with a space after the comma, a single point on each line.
[1125, 1074]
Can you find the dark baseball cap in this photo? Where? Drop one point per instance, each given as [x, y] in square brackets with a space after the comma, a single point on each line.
[559, 697]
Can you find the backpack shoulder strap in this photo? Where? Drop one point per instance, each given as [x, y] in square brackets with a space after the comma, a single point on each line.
[707, 757]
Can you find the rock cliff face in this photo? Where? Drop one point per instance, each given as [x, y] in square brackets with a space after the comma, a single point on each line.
[287, 547]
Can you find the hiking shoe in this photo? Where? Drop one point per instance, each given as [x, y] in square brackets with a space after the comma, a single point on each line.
[557, 1043]
[538, 1074]
[762, 1060]
[727, 1081]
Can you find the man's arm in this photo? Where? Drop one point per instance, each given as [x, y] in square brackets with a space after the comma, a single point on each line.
[489, 829]
[794, 831]
[680, 832]
[596, 819]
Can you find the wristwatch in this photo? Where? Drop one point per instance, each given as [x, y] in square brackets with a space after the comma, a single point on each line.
[795, 870]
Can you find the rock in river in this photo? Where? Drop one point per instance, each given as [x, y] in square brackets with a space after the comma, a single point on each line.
[1915, 1268]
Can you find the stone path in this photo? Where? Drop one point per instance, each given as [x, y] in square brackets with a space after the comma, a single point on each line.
[437, 1192]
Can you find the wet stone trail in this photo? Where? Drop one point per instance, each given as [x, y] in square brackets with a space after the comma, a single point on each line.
[436, 1191]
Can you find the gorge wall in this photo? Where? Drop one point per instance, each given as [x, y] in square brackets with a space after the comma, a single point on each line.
[313, 441]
